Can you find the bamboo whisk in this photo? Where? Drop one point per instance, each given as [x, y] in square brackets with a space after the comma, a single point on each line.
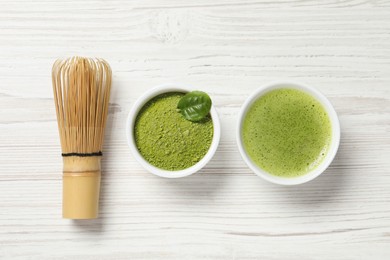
[81, 94]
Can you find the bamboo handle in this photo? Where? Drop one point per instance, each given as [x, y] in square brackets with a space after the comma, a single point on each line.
[81, 187]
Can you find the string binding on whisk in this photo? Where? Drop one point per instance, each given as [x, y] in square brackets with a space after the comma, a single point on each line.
[82, 154]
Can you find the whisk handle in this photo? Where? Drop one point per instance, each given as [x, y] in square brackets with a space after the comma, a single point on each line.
[81, 187]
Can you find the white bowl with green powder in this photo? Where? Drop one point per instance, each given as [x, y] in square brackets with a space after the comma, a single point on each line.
[288, 133]
[163, 141]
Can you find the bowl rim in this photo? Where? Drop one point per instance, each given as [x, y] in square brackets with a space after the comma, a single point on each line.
[335, 141]
[130, 122]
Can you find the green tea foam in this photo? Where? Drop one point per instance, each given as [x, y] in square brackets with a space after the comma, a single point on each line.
[287, 132]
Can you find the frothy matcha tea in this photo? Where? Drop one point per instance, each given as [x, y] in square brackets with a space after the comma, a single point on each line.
[287, 132]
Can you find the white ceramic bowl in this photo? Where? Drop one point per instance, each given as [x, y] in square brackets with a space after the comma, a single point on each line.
[334, 142]
[131, 141]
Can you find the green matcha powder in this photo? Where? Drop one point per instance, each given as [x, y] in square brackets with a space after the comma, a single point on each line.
[166, 139]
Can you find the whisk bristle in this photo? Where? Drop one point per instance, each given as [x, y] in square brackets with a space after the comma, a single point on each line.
[81, 94]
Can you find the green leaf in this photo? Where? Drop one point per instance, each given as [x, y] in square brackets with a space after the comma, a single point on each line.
[195, 105]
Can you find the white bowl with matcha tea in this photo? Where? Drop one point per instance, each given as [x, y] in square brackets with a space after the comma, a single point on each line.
[288, 133]
[167, 132]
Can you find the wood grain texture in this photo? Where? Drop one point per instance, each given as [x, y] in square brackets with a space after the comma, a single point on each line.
[227, 48]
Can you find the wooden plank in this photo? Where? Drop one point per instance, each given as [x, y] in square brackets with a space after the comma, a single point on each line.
[227, 48]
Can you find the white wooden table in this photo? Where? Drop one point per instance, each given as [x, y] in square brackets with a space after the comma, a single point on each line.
[227, 48]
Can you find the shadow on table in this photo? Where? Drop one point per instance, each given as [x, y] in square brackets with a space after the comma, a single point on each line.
[97, 225]
[201, 187]
[325, 188]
